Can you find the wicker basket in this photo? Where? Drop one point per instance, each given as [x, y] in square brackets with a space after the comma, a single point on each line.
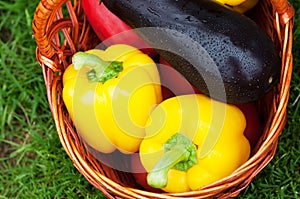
[60, 29]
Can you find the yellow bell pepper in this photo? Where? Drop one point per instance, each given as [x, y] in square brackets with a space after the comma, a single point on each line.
[240, 6]
[192, 141]
[109, 95]
[231, 2]
[245, 6]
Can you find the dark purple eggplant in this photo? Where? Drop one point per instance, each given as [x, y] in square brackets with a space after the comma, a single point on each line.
[222, 53]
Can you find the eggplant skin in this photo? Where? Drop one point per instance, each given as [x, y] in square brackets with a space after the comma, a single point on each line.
[222, 53]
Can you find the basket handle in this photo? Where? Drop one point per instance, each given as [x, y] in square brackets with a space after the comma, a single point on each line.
[44, 16]
[284, 9]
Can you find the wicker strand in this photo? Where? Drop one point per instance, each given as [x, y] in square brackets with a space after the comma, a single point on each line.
[284, 9]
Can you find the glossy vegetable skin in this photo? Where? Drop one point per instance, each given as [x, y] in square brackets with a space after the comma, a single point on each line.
[253, 130]
[110, 29]
[173, 83]
[140, 174]
[109, 94]
[240, 6]
[245, 6]
[222, 53]
[191, 141]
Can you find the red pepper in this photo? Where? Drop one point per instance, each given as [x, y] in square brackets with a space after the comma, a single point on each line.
[253, 130]
[140, 174]
[173, 83]
[108, 27]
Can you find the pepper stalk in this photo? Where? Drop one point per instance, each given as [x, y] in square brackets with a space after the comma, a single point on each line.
[101, 70]
[180, 153]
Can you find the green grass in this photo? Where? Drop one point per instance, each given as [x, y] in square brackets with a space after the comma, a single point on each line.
[32, 161]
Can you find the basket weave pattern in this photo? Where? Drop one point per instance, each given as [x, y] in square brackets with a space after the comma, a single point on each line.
[61, 29]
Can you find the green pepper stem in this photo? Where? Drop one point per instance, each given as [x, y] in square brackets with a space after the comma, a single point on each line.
[180, 153]
[101, 70]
